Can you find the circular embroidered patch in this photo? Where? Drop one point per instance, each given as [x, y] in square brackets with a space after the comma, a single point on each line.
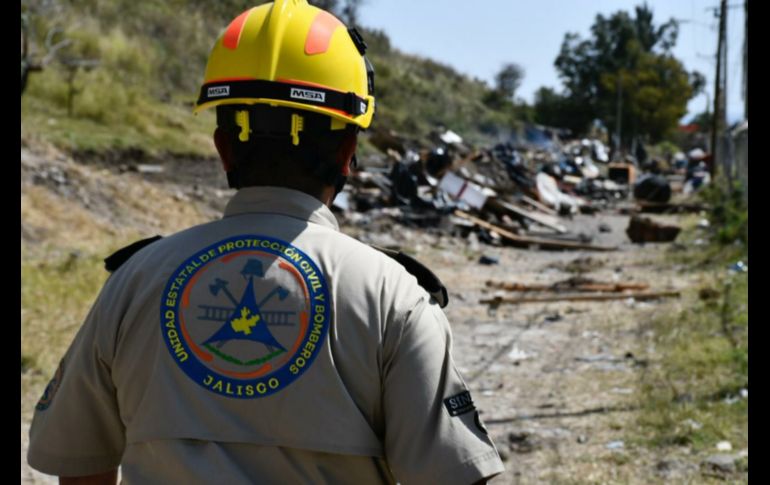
[245, 317]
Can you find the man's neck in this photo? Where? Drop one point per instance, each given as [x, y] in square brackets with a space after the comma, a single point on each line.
[324, 193]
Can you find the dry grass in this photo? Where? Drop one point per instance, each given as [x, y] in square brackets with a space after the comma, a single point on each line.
[67, 231]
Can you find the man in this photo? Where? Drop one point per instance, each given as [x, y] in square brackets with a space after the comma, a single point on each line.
[267, 347]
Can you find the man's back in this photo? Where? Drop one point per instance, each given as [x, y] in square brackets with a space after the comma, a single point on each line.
[266, 347]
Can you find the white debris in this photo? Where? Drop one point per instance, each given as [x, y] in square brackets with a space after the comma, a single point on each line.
[516, 354]
[724, 446]
[615, 445]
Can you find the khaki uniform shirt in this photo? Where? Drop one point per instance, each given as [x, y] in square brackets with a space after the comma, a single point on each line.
[266, 347]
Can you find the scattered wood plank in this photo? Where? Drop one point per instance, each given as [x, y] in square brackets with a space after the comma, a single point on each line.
[539, 205]
[598, 287]
[544, 220]
[498, 300]
[563, 414]
[529, 241]
[581, 238]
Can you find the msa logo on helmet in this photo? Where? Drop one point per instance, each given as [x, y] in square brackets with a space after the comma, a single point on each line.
[308, 95]
[219, 91]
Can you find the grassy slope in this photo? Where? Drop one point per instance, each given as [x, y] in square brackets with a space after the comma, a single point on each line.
[151, 59]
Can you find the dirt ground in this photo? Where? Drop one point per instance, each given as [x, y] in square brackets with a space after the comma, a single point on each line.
[555, 382]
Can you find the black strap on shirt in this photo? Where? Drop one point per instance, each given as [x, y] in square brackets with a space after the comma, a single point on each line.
[116, 259]
[425, 277]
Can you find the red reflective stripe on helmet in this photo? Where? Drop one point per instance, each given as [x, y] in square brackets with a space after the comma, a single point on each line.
[233, 32]
[320, 34]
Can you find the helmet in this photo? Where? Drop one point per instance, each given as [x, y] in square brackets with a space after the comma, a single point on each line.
[294, 55]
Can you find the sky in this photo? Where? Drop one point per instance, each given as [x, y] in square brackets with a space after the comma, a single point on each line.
[477, 38]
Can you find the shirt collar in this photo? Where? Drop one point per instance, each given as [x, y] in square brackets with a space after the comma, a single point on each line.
[283, 201]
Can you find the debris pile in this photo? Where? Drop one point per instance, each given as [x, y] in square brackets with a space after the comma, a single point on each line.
[517, 192]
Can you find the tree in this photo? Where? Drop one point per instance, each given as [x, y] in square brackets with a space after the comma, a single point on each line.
[554, 109]
[626, 67]
[29, 63]
[508, 80]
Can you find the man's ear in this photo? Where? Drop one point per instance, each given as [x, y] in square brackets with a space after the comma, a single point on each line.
[225, 148]
[346, 152]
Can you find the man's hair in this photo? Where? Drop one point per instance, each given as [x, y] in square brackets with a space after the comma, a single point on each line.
[269, 157]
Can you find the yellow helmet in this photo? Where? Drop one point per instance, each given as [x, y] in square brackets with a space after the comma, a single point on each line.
[292, 54]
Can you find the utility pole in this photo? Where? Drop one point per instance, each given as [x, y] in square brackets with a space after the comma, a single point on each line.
[719, 86]
[618, 122]
[746, 60]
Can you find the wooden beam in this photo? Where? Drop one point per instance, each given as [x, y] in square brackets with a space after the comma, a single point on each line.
[544, 220]
[539, 205]
[529, 241]
[593, 286]
[582, 297]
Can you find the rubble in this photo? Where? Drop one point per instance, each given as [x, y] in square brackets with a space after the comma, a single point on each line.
[521, 192]
[531, 241]
[644, 230]
[652, 188]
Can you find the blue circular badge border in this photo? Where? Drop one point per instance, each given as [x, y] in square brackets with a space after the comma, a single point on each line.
[194, 368]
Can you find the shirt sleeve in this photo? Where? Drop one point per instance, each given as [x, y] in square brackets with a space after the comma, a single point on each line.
[433, 433]
[76, 429]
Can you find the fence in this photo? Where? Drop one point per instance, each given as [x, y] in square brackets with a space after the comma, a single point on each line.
[735, 156]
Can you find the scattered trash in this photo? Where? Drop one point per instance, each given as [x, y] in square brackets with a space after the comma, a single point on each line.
[703, 224]
[550, 194]
[555, 317]
[582, 439]
[739, 267]
[615, 445]
[622, 173]
[147, 168]
[724, 446]
[652, 188]
[696, 178]
[342, 201]
[450, 138]
[488, 260]
[523, 442]
[516, 354]
[460, 189]
[744, 393]
[692, 424]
